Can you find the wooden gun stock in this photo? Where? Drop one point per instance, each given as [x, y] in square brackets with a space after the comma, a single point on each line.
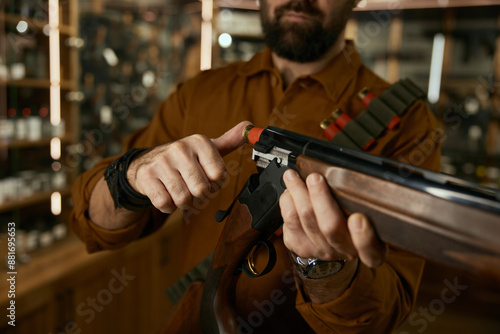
[208, 307]
[218, 313]
[184, 318]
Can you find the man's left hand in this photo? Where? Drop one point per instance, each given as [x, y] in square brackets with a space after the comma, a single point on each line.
[315, 226]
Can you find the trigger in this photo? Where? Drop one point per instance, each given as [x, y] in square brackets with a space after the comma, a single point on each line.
[222, 214]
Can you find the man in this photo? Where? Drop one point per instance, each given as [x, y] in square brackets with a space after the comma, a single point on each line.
[308, 71]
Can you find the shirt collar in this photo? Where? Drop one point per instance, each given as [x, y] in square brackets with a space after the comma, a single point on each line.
[260, 62]
[339, 72]
[335, 77]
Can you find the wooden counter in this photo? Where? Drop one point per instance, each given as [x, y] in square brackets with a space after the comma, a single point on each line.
[65, 290]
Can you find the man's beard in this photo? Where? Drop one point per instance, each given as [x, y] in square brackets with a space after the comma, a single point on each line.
[302, 42]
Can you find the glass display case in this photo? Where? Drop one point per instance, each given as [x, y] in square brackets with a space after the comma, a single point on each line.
[132, 60]
[237, 33]
[38, 117]
[466, 106]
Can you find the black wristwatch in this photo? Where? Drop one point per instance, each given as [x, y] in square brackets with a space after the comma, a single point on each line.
[315, 268]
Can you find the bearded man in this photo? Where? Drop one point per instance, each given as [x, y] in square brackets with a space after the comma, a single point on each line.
[307, 71]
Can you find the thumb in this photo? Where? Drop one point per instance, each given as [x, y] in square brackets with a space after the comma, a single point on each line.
[231, 140]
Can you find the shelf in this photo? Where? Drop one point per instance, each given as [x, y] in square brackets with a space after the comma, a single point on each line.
[421, 4]
[26, 143]
[65, 268]
[34, 272]
[14, 19]
[35, 90]
[40, 25]
[257, 38]
[32, 200]
[37, 83]
[374, 4]
[242, 4]
[31, 83]
[68, 30]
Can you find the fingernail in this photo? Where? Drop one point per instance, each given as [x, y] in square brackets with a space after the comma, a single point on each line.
[356, 223]
[290, 174]
[313, 179]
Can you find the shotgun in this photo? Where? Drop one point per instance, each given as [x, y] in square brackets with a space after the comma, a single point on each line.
[433, 215]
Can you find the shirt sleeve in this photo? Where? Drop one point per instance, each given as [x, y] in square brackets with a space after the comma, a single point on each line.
[162, 129]
[379, 300]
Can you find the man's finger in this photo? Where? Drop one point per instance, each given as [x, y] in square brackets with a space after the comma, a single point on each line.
[294, 236]
[159, 196]
[289, 213]
[371, 250]
[330, 217]
[231, 140]
[305, 211]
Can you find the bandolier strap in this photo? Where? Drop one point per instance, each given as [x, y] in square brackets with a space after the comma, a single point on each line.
[381, 113]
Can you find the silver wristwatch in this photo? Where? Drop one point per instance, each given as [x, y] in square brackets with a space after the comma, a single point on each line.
[315, 268]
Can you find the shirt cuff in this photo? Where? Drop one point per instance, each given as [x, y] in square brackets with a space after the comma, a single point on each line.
[97, 238]
[350, 315]
[378, 300]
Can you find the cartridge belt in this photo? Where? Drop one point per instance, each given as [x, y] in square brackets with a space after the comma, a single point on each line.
[382, 113]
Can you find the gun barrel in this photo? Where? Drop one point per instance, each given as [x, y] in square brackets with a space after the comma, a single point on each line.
[436, 184]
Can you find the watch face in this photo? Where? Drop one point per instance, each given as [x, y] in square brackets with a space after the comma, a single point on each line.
[322, 269]
[314, 268]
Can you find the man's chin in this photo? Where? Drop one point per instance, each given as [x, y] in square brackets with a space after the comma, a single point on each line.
[296, 42]
[298, 54]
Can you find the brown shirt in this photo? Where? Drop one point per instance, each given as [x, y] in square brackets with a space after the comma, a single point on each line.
[214, 101]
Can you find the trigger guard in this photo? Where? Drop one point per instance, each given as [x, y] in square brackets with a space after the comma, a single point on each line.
[271, 251]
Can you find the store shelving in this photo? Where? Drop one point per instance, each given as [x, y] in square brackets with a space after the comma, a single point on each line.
[31, 200]
[26, 43]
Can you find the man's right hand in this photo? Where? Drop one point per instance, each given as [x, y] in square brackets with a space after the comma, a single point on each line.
[173, 175]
